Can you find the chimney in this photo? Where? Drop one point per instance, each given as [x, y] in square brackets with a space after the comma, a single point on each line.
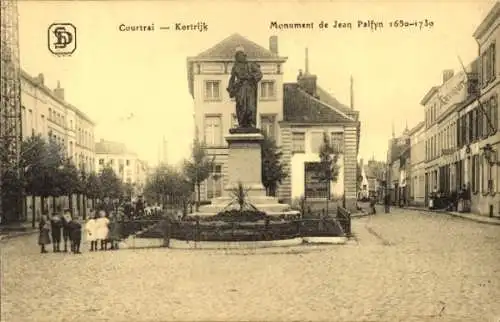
[41, 79]
[273, 44]
[307, 81]
[59, 92]
[447, 74]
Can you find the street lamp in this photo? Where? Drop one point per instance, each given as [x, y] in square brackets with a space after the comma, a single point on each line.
[490, 155]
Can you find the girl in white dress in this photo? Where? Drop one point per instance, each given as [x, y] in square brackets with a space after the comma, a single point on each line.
[102, 229]
[91, 232]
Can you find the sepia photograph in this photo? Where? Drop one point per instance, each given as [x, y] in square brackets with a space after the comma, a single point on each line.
[233, 160]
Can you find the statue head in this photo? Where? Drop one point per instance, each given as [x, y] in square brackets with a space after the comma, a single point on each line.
[240, 55]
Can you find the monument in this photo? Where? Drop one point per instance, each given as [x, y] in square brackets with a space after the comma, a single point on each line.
[245, 155]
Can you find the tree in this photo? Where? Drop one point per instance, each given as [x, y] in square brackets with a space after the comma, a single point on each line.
[199, 167]
[328, 168]
[33, 155]
[54, 171]
[70, 180]
[272, 170]
[128, 190]
[169, 185]
[111, 185]
[93, 187]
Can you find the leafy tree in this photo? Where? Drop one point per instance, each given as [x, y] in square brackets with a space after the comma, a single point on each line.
[33, 155]
[70, 180]
[93, 187]
[111, 185]
[128, 190]
[54, 171]
[199, 167]
[328, 168]
[169, 185]
[272, 170]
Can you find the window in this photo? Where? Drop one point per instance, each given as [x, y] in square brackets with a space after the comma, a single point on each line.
[127, 162]
[267, 90]
[298, 142]
[213, 131]
[111, 162]
[314, 187]
[212, 90]
[215, 182]
[475, 174]
[493, 115]
[268, 125]
[484, 174]
[488, 68]
[337, 141]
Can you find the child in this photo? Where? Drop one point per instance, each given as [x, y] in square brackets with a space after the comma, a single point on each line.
[75, 235]
[91, 231]
[102, 229]
[115, 229]
[43, 237]
[66, 229]
[55, 229]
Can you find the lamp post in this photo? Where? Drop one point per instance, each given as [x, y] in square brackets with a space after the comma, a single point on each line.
[491, 157]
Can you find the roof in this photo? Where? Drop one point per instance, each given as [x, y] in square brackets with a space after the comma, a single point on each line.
[326, 97]
[300, 107]
[488, 21]
[32, 80]
[110, 147]
[224, 51]
[429, 95]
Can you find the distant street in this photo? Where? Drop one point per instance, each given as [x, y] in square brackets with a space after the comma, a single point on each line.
[405, 266]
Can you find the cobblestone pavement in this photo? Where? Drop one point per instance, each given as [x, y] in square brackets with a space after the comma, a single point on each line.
[404, 266]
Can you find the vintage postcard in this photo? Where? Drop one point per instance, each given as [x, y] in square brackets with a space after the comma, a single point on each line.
[250, 161]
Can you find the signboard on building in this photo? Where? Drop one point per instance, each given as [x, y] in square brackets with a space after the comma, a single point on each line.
[453, 91]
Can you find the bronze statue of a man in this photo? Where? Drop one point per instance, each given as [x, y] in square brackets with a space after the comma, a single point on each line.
[245, 77]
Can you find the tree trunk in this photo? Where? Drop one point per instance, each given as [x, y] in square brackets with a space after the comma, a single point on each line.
[84, 207]
[70, 203]
[54, 204]
[33, 211]
[199, 196]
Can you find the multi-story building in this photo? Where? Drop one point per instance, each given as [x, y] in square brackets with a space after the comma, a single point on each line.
[126, 164]
[45, 112]
[480, 136]
[416, 165]
[445, 169]
[396, 174]
[296, 115]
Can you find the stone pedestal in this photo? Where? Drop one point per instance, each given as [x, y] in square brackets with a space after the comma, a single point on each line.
[244, 163]
[245, 166]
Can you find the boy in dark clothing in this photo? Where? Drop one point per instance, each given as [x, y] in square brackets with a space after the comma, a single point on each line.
[66, 229]
[55, 229]
[75, 235]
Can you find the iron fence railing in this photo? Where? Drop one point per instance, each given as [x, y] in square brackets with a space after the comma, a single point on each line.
[167, 228]
[344, 219]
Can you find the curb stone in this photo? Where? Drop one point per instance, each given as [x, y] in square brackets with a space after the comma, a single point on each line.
[478, 220]
[17, 234]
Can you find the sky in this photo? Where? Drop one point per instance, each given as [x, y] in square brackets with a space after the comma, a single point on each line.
[113, 74]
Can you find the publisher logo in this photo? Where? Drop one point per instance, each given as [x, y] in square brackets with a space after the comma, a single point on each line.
[62, 39]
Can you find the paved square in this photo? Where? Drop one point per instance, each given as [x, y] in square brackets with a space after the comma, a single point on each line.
[405, 266]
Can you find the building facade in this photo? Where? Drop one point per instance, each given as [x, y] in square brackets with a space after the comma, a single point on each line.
[483, 144]
[126, 164]
[45, 112]
[295, 115]
[416, 166]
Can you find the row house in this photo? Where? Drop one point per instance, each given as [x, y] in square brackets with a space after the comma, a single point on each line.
[461, 127]
[45, 112]
[125, 163]
[295, 115]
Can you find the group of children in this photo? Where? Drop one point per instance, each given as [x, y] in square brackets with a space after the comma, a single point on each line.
[58, 226]
[98, 229]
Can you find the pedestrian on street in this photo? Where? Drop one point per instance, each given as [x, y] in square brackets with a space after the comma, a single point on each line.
[66, 229]
[373, 202]
[44, 233]
[102, 229]
[55, 229]
[115, 229]
[75, 232]
[91, 231]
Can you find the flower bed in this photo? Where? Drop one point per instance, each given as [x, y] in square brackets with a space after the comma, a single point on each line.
[233, 216]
